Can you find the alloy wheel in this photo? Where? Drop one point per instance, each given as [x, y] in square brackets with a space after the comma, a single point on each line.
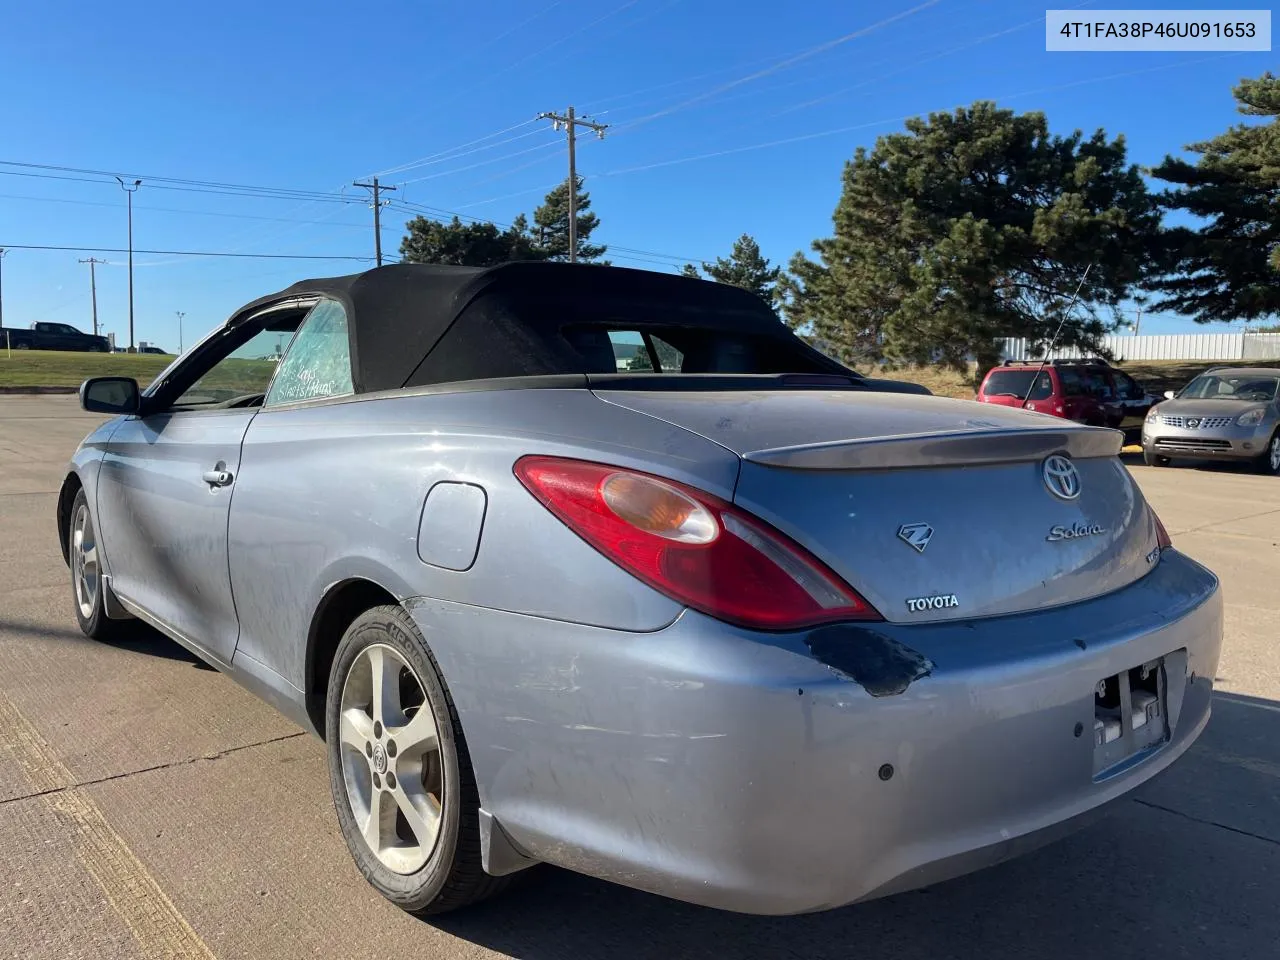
[84, 558]
[1275, 453]
[391, 765]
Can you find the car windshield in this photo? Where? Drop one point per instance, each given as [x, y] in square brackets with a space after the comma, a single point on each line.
[1016, 383]
[1224, 387]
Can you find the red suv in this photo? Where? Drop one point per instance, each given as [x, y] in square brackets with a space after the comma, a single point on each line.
[1087, 391]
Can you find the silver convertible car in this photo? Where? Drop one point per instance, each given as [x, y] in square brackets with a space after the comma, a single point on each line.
[1226, 414]
[610, 570]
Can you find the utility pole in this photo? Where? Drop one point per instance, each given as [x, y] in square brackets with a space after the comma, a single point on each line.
[377, 188]
[93, 289]
[571, 124]
[180, 314]
[130, 189]
[2, 253]
[1137, 324]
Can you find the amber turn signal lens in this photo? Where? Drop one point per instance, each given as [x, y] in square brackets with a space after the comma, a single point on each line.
[655, 507]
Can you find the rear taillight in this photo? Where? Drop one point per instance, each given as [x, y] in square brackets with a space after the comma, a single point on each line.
[691, 546]
[1163, 540]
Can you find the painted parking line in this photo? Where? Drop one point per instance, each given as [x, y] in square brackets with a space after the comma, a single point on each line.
[161, 931]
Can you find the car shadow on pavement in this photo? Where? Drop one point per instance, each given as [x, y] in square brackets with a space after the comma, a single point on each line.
[1131, 459]
[1188, 867]
[134, 636]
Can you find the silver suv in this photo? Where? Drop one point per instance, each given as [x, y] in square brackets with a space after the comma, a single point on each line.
[1227, 413]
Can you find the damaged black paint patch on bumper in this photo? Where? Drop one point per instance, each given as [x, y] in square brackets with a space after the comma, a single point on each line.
[881, 665]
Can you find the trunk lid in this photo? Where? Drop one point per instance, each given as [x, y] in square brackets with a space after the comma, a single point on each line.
[933, 509]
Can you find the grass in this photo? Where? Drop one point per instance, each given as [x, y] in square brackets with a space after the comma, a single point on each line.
[62, 368]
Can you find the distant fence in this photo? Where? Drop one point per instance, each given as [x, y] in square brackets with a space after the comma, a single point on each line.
[1170, 346]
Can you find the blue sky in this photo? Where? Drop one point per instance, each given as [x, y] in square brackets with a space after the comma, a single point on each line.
[728, 116]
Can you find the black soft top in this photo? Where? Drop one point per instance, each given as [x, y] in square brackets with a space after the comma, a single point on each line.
[420, 324]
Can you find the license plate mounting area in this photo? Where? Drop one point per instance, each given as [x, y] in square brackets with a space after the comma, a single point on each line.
[1130, 717]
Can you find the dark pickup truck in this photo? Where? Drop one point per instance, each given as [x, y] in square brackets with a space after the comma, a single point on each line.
[52, 336]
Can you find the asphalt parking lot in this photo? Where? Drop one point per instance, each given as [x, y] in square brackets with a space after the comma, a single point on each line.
[150, 808]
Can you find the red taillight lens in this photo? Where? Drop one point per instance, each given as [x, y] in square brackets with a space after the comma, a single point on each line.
[691, 546]
[1163, 540]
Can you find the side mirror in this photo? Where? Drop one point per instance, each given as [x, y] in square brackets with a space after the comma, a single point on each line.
[110, 395]
[1169, 394]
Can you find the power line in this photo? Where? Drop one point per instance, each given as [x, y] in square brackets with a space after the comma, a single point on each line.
[456, 153]
[318, 198]
[977, 41]
[183, 181]
[875, 123]
[483, 163]
[184, 253]
[184, 211]
[787, 62]
[410, 207]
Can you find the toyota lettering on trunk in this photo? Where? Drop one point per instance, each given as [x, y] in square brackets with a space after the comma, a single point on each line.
[942, 601]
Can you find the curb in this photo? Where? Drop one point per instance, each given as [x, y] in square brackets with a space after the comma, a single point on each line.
[36, 391]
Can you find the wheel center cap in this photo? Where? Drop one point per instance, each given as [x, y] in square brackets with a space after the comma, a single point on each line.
[379, 758]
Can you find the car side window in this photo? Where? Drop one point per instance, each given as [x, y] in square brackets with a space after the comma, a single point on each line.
[631, 354]
[1072, 386]
[1098, 385]
[318, 363]
[244, 373]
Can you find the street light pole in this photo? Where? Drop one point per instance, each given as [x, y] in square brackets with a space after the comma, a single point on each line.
[2, 252]
[130, 189]
[180, 316]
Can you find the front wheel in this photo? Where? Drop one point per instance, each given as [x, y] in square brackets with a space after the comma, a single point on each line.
[1153, 459]
[399, 772]
[87, 585]
[1268, 463]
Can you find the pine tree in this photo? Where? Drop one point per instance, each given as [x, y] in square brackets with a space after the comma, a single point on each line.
[1227, 268]
[552, 220]
[745, 267]
[969, 227]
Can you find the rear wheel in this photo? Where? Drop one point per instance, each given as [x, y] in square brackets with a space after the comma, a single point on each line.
[1153, 459]
[399, 772]
[87, 585]
[1268, 463]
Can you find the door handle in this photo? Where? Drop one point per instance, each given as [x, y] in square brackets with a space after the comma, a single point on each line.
[219, 476]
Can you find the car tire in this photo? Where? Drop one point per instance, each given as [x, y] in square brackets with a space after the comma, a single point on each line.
[1268, 463]
[1152, 459]
[88, 589]
[443, 873]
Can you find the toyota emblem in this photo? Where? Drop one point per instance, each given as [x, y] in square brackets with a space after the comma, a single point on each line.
[1061, 477]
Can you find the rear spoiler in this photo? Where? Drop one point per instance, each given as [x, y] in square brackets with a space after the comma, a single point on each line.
[969, 447]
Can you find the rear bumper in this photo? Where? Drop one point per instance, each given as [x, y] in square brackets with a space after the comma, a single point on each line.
[737, 770]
